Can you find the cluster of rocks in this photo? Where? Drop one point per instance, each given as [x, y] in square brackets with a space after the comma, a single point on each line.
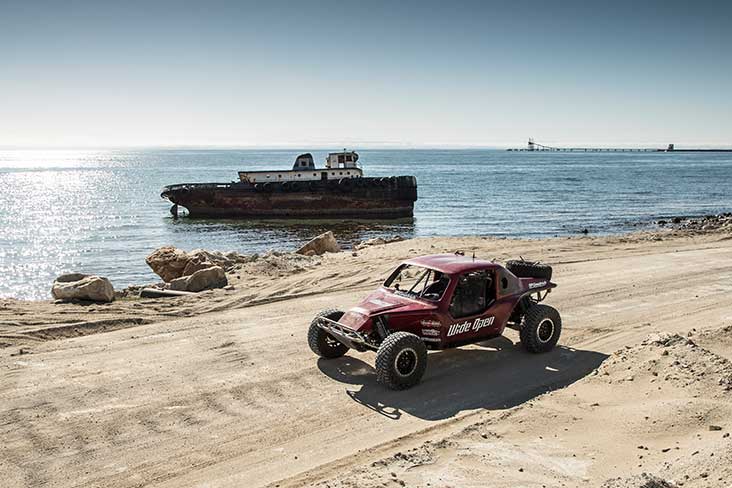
[193, 271]
[199, 270]
[707, 223]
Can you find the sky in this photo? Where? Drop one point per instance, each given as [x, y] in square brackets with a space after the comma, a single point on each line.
[364, 73]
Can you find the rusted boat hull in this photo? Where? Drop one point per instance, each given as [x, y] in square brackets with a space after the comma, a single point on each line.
[360, 198]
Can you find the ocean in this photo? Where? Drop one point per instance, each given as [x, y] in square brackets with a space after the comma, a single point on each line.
[100, 211]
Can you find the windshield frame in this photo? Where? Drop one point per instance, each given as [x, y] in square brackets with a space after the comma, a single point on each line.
[424, 275]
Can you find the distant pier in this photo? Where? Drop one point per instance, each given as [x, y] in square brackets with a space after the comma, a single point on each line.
[535, 146]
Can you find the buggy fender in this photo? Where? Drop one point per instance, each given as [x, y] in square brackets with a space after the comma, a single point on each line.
[535, 285]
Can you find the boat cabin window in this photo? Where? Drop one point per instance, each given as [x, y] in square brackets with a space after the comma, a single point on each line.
[341, 159]
[473, 294]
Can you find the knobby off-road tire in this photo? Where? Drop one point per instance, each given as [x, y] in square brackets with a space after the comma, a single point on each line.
[322, 343]
[401, 361]
[528, 269]
[541, 328]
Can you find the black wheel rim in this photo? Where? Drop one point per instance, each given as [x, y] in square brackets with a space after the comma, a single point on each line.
[406, 362]
[330, 342]
[545, 331]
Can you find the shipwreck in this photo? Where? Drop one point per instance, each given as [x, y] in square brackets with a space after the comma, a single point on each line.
[337, 190]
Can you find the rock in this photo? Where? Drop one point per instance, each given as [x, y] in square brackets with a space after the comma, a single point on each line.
[196, 264]
[168, 262]
[76, 286]
[217, 258]
[203, 279]
[321, 244]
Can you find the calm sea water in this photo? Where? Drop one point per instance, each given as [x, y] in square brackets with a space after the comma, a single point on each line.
[99, 211]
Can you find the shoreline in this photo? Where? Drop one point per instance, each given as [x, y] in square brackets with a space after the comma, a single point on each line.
[660, 224]
[278, 276]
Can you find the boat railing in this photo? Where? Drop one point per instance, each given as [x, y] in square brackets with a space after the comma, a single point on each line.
[182, 186]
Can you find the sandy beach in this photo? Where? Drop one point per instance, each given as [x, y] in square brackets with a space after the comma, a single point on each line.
[221, 389]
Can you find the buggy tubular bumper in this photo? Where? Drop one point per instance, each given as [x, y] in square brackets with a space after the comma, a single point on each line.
[344, 334]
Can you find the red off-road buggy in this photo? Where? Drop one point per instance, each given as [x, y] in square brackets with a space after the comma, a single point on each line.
[438, 302]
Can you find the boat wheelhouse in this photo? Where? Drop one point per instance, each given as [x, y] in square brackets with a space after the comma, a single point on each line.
[338, 165]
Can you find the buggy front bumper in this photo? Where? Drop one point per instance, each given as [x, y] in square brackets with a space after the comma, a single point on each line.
[345, 335]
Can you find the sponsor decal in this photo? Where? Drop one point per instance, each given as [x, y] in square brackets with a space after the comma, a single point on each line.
[431, 332]
[380, 303]
[430, 323]
[538, 284]
[470, 326]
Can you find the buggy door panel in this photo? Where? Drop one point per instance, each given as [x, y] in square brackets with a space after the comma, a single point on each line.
[471, 308]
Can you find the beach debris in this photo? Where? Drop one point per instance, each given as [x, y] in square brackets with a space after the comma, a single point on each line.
[643, 480]
[321, 244]
[377, 241]
[707, 223]
[202, 279]
[158, 293]
[78, 286]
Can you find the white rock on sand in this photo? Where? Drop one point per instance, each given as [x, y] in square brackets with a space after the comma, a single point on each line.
[321, 244]
[77, 286]
[203, 279]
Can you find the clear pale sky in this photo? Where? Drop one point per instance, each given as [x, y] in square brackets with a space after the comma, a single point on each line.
[364, 73]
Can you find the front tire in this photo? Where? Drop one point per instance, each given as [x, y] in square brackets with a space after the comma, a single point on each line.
[541, 328]
[322, 343]
[401, 361]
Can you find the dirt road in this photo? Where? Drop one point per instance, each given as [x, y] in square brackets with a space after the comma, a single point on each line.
[236, 398]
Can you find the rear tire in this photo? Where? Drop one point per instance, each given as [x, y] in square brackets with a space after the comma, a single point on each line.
[541, 328]
[528, 269]
[401, 361]
[322, 343]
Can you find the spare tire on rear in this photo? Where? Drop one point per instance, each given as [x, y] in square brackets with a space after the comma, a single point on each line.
[529, 269]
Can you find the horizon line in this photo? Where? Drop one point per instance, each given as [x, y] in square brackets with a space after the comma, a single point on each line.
[353, 146]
